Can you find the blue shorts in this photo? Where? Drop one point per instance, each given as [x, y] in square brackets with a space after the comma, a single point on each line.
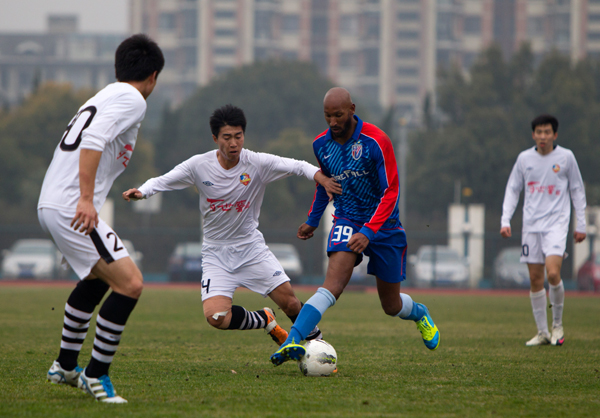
[386, 252]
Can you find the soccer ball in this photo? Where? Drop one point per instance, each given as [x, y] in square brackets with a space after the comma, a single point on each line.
[320, 359]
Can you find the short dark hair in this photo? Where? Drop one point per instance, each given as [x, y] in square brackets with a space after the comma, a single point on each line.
[227, 115]
[545, 120]
[137, 57]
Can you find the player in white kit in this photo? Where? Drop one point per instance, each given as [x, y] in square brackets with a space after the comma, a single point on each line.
[93, 152]
[231, 182]
[550, 176]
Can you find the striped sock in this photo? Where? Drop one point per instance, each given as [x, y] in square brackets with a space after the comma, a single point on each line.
[78, 312]
[110, 324]
[243, 319]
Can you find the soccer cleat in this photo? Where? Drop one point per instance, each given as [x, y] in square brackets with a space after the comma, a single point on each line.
[58, 375]
[101, 388]
[291, 351]
[558, 335]
[429, 331]
[542, 338]
[278, 334]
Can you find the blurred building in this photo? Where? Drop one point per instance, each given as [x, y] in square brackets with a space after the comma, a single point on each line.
[385, 51]
[62, 55]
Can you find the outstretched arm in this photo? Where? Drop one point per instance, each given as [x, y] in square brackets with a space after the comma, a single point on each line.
[132, 194]
[330, 185]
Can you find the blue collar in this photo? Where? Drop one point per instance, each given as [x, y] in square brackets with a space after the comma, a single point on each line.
[354, 136]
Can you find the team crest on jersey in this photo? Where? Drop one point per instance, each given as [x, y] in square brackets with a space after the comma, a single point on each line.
[245, 179]
[357, 150]
[556, 168]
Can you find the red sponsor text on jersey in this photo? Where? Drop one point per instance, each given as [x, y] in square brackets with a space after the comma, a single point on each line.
[226, 207]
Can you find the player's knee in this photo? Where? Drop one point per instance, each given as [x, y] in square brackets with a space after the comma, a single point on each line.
[216, 321]
[291, 306]
[391, 309]
[553, 277]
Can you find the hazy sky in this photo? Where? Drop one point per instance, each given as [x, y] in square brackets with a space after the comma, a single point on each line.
[95, 16]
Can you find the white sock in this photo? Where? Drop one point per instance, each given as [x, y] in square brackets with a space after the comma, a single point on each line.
[407, 305]
[538, 304]
[557, 299]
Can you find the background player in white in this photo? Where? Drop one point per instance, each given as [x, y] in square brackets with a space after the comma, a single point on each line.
[231, 182]
[550, 176]
[93, 152]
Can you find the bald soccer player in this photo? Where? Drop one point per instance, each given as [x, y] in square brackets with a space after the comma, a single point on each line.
[361, 158]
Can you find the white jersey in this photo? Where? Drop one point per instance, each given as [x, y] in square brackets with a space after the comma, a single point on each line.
[108, 122]
[230, 200]
[550, 182]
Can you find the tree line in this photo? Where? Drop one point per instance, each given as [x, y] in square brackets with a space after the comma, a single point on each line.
[480, 125]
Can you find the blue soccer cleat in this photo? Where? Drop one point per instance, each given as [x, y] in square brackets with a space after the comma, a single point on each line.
[101, 388]
[429, 331]
[291, 351]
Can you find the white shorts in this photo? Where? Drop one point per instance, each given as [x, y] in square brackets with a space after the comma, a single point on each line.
[536, 246]
[81, 251]
[251, 265]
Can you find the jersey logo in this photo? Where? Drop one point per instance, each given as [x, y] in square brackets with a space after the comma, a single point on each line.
[357, 150]
[278, 273]
[207, 183]
[326, 157]
[245, 179]
[556, 168]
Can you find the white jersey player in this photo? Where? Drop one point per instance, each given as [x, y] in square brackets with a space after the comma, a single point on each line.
[93, 152]
[550, 178]
[231, 182]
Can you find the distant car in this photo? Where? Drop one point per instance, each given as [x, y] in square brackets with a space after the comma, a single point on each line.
[588, 276]
[439, 266]
[509, 271]
[185, 264]
[33, 259]
[136, 256]
[289, 258]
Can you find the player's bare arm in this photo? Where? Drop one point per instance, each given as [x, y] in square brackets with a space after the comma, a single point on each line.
[132, 194]
[330, 185]
[305, 231]
[86, 217]
[358, 242]
[505, 232]
[579, 236]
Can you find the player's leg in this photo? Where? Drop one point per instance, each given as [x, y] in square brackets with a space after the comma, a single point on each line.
[532, 254]
[537, 295]
[387, 262]
[557, 297]
[401, 305]
[78, 311]
[126, 282]
[337, 277]
[284, 296]
[221, 314]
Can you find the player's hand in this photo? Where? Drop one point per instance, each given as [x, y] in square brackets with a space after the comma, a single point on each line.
[358, 242]
[86, 217]
[330, 184]
[505, 232]
[305, 231]
[132, 194]
[579, 236]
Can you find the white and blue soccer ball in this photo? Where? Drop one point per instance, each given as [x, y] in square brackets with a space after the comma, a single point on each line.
[320, 359]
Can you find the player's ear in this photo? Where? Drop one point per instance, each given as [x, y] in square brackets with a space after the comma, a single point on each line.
[214, 139]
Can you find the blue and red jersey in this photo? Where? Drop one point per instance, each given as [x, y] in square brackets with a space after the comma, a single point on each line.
[365, 166]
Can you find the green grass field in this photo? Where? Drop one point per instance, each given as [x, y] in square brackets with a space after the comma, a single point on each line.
[171, 363]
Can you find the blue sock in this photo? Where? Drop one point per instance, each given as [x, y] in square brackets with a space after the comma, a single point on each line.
[310, 315]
